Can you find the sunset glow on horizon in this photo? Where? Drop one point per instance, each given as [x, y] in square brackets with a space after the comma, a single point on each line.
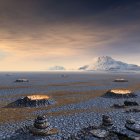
[38, 34]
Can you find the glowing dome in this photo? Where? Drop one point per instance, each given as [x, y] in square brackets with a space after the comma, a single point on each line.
[32, 101]
[121, 91]
[38, 97]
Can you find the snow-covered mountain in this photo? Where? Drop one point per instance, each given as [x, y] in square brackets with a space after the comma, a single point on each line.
[57, 68]
[106, 63]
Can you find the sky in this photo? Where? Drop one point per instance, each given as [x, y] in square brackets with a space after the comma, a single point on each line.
[38, 34]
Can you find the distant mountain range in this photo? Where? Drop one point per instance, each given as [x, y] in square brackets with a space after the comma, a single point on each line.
[57, 68]
[106, 63]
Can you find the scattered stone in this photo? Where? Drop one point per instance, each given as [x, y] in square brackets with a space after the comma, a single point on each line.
[133, 126]
[120, 80]
[130, 121]
[32, 101]
[106, 120]
[42, 127]
[130, 103]
[118, 106]
[133, 110]
[127, 104]
[100, 133]
[22, 80]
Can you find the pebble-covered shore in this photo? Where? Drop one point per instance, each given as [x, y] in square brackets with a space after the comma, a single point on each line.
[71, 124]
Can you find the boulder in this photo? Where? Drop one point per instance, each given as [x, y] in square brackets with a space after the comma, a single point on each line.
[118, 106]
[100, 133]
[130, 103]
[133, 126]
[130, 121]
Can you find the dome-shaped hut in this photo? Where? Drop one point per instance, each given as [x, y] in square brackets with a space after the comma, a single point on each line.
[21, 80]
[119, 93]
[32, 101]
[120, 80]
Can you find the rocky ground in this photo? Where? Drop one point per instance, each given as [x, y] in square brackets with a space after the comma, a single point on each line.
[72, 124]
[77, 123]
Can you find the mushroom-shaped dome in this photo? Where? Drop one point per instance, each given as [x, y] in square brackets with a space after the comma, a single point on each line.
[119, 93]
[32, 101]
[120, 80]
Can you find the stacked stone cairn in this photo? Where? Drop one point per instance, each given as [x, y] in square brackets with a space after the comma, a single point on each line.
[102, 131]
[106, 121]
[42, 127]
[108, 131]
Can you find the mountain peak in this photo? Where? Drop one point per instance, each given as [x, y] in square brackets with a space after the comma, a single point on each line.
[104, 59]
[106, 63]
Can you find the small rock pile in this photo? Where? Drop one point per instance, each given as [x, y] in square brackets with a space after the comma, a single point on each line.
[42, 127]
[106, 121]
[99, 132]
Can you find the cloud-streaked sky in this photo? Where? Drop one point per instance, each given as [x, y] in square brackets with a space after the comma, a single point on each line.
[38, 34]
